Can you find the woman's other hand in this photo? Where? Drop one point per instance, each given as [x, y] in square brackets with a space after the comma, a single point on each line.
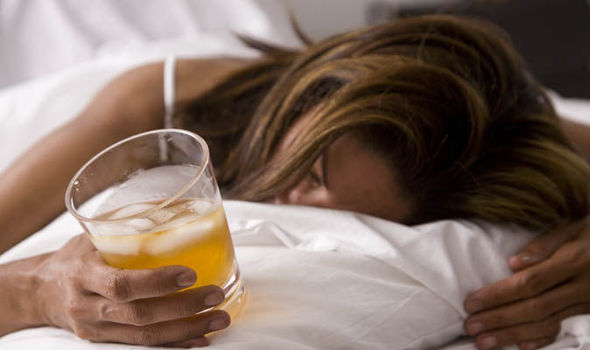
[551, 282]
[79, 292]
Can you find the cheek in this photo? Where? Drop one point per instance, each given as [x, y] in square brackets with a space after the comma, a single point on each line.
[380, 201]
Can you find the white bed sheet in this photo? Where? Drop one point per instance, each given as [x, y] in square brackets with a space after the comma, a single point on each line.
[325, 279]
[357, 282]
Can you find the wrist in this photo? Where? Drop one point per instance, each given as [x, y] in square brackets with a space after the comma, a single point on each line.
[20, 290]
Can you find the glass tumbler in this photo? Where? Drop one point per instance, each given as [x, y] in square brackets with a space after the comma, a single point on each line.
[151, 200]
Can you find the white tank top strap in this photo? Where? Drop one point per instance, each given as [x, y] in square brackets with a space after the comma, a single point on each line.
[169, 93]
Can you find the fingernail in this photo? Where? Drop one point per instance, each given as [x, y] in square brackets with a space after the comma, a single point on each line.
[474, 328]
[186, 279]
[488, 343]
[217, 324]
[213, 299]
[473, 305]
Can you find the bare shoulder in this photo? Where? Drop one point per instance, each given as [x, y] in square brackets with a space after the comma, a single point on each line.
[137, 94]
[193, 77]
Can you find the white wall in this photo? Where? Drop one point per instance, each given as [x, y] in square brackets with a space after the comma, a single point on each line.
[322, 18]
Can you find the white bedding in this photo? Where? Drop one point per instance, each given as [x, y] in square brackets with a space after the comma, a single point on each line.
[325, 279]
[318, 279]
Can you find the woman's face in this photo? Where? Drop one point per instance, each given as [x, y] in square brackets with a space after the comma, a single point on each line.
[347, 176]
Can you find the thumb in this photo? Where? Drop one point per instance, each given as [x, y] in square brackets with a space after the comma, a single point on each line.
[545, 245]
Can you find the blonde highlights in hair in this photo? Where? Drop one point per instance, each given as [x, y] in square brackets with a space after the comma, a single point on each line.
[446, 101]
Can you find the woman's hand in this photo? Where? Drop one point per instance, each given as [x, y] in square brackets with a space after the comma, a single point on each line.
[551, 282]
[79, 292]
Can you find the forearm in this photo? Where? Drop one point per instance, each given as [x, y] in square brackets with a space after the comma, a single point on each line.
[32, 190]
[18, 289]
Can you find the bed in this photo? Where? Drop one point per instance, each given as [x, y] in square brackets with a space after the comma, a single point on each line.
[316, 278]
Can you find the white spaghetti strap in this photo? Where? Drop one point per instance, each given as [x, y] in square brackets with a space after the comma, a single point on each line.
[169, 81]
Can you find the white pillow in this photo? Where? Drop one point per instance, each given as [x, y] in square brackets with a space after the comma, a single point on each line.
[327, 279]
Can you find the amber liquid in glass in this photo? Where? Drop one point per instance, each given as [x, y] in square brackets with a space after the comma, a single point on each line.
[178, 236]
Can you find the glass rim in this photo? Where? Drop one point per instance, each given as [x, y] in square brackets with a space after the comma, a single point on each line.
[68, 196]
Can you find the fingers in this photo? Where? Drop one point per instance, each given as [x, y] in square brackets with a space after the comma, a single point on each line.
[148, 311]
[524, 333]
[529, 310]
[529, 336]
[521, 285]
[574, 310]
[545, 245]
[127, 285]
[171, 332]
[535, 344]
[101, 303]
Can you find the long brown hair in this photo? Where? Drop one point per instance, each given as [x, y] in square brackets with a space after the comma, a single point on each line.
[446, 100]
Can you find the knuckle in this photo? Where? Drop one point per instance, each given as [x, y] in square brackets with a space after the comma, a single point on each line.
[82, 331]
[147, 336]
[495, 320]
[105, 312]
[75, 308]
[529, 282]
[73, 274]
[70, 283]
[118, 288]
[577, 255]
[94, 257]
[86, 259]
[538, 248]
[140, 315]
[520, 281]
[536, 310]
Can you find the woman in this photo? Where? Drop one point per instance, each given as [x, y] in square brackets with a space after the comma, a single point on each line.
[438, 114]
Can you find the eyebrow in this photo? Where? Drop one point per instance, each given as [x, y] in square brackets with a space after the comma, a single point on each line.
[324, 173]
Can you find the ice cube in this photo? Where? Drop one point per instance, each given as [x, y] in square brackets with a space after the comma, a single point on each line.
[177, 221]
[160, 216]
[127, 227]
[131, 209]
[178, 237]
[140, 224]
[112, 229]
[125, 245]
[200, 207]
[178, 208]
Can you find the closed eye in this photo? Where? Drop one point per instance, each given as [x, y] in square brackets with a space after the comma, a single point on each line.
[315, 179]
